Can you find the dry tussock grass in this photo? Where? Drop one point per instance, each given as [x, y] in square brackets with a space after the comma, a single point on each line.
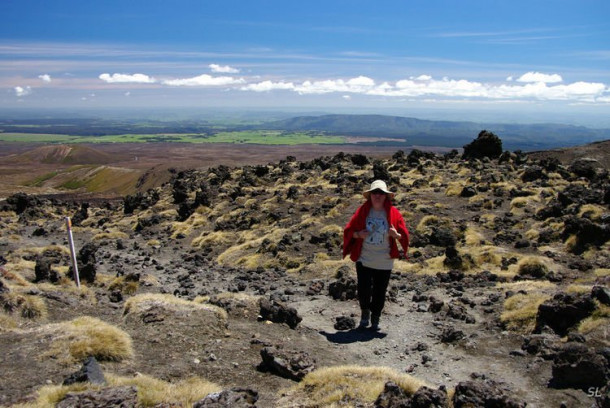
[473, 236]
[601, 272]
[196, 221]
[246, 252]
[7, 323]
[214, 238]
[125, 287]
[592, 211]
[75, 340]
[345, 386]
[599, 320]
[11, 272]
[520, 311]
[454, 188]
[23, 305]
[579, 289]
[323, 267]
[142, 303]
[109, 235]
[151, 391]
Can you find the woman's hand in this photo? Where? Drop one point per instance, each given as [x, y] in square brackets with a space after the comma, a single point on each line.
[393, 233]
[362, 234]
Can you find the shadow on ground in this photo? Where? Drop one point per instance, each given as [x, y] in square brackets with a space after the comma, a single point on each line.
[353, 336]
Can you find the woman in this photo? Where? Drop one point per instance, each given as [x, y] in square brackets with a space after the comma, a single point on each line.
[370, 238]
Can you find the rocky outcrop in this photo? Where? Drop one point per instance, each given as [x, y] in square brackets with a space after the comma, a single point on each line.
[578, 366]
[90, 372]
[278, 312]
[486, 144]
[293, 365]
[115, 397]
[232, 398]
[563, 312]
[483, 393]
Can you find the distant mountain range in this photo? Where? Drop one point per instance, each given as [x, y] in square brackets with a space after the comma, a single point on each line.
[442, 133]
[386, 130]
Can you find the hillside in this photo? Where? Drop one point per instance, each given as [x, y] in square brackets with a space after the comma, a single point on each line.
[444, 133]
[64, 155]
[227, 283]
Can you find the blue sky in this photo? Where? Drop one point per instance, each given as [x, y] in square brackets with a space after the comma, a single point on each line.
[534, 59]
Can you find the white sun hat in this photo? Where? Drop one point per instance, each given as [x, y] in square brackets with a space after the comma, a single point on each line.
[378, 185]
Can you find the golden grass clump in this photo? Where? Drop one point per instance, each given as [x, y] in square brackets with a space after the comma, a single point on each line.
[26, 306]
[533, 266]
[109, 235]
[142, 303]
[591, 211]
[216, 238]
[86, 336]
[599, 319]
[124, 286]
[601, 272]
[474, 237]
[454, 189]
[7, 322]
[520, 311]
[348, 385]
[151, 391]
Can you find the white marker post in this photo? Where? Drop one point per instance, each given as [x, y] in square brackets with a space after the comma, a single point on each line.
[72, 252]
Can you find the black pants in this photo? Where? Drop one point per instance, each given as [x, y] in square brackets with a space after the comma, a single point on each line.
[372, 286]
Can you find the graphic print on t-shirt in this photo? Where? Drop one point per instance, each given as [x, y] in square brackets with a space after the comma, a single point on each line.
[377, 227]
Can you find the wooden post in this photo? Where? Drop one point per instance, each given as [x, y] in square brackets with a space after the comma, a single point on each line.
[72, 252]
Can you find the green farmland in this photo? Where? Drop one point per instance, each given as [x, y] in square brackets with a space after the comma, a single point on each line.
[238, 137]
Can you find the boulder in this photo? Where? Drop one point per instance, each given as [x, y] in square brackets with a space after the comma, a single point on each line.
[602, 294]
[90, 372]
[344, 288]
[486, 393]
[232, 398]
[393, 396]
[486, 144]
[293, 365]
[43, 270]
[577, 366]
[277, 312]
[345, 323]
[585, 167]
[533, 173]
[563, 312]
[430, 398]
[115, 397]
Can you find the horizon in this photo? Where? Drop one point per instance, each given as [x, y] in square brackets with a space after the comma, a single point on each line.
[476, 61]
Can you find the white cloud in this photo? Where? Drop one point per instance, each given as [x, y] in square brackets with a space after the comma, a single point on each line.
[266, 86]
[510, 78]
[424, 78]
[347, 97]
[45, 77]
[204, 80]
[359, 84]
[540, 77]
[223, 69]
[127, 78]
[22, 91]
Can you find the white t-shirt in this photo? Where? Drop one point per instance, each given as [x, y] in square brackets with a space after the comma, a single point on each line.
[376, 247]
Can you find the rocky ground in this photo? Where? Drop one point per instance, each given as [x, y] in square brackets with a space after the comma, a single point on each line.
[234, 275]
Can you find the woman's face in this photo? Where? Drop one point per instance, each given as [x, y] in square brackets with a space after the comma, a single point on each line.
[377, 199]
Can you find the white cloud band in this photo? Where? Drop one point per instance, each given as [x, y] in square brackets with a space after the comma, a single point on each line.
[127, 78]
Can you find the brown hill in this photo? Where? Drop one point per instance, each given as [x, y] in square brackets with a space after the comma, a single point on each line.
[599, 151]
[66, 154]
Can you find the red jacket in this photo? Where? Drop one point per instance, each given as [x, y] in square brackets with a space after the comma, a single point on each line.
[353, 246]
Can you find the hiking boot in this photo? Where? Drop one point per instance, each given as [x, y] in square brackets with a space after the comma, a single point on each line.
[374, 323]
[364, 319]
